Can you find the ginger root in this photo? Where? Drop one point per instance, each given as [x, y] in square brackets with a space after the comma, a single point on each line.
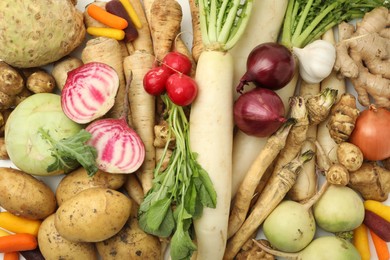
[342, 118]
[372, 181]
[363, 56]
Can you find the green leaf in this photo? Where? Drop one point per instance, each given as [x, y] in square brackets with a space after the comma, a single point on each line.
[157, 212]
[190, 199]
[165, 229]
[207, 193]
[182, 246]
[72, 151]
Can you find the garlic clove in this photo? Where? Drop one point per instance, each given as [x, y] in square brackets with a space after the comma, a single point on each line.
[316, 60]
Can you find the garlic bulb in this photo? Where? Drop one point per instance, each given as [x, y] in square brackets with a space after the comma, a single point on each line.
[316, 60]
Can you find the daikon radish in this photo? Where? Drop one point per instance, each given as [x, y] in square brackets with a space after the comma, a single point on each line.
[211, 116]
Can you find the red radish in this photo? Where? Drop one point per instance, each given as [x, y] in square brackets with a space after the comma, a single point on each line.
[119, 148]
[177, 62]
[155, 79]
[181, 89]
[89, 92]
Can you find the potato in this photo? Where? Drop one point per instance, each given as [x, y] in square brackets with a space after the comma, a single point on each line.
[93, 215]
[79, 180]
[54, 246]
[130, 243]
[23, 195]
[37, 32]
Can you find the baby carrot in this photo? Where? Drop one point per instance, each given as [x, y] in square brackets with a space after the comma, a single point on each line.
[360, 241]
[11, 256]
[3, 233]
[381, 248]
[17, 224]
[17, 242]
[133, 15]
[116, 34]
[378, 208]
[106, 18]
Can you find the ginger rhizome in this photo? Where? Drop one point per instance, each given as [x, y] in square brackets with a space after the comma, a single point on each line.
[363, 56]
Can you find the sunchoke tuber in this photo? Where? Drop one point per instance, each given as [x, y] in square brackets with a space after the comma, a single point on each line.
[363, 55]
[372, 181]
[342, 119]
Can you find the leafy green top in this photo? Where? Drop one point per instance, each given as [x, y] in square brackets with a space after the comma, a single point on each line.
[72, 151]
[179, 192]
[306, 20]
[222, 22]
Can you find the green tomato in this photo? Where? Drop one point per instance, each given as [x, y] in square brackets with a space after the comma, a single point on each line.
[290, 227]
[339, 209]
[25, 146]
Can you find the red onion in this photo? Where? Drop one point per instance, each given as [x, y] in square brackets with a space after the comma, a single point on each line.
[259, 112]
[269, 65]
[119, 148]
[89, 92]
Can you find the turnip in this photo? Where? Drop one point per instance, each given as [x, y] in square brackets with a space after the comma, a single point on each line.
[339, 209]
[26, 147]
[322, 248]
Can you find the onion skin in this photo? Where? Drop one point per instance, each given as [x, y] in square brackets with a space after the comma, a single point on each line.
[119, 148]
[89, 92]
[269, 65]
[371, 133]
[259, 112]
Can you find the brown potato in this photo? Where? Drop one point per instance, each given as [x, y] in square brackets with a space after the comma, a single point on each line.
[93, 215]
[23, 195]
[79, 180]
[130, 243]
[53, 246]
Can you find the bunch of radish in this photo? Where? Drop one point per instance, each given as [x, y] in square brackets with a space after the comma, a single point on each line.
[172, 77]
[88, 94]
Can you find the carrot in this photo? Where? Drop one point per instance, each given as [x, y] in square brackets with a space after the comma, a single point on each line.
[18, 224]
[165, 24]
[242, 200]
[116, 34]
[108, 51]
[91, 22]
[360, 241]
[378, 208]
[3, 233]
[106, 18]
[277, 187]
[17, 242]
[381, 247]
[132, 13]
[144, 39]
[11, 256]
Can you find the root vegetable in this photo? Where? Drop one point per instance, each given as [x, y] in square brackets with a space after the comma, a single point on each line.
[361, 242]
[142, 107]
[40, 42]
[277, 187]
[381, 248]
[132, 13]
[350, 156]
[322, 248]
[11, 81]
[134, 189]
[16, 224]
[371, 181]
[319, 106]
[113, 33]
[109, 19]
[251, 252]
[378, 208]
[17, 242]
[338, 215]
[41, 82]
[62, 67]
[369, 133]
[379, 225]
[108, 51]
[337, 174]
[246, 191]
[342, 118]
[197, 44]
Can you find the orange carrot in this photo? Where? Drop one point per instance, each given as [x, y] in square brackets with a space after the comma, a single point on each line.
[381, 248]
[360, 241]
[101, 15]
[17, 242]
[11, 256]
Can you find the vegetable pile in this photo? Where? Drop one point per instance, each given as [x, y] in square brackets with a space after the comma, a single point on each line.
[133, 143]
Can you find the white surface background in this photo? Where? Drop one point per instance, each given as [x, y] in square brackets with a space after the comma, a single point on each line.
[186, 28]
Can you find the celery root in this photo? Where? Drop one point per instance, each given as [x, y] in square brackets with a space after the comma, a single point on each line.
[241, 204]
[277, 187]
